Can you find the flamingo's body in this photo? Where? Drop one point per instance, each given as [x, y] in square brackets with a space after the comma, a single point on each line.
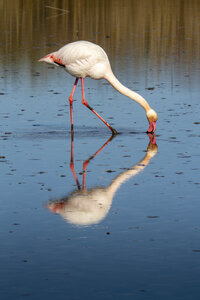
[84, 59]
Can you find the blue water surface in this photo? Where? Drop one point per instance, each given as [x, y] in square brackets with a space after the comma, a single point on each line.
[146, 244]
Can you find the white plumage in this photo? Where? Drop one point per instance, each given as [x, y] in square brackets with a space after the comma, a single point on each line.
[85, 59]
[90, 206]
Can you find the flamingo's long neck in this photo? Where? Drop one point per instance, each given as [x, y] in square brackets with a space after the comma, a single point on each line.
[110, 77]
[124, 176]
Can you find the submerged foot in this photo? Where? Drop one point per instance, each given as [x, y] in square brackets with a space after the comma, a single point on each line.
[114, 132]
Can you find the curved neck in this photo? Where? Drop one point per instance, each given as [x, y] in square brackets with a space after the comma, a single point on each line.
[110, 77]
[124, 176]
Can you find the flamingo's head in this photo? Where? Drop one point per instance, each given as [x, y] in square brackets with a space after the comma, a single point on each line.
[152, 118]
[51, 59]
[48, 59]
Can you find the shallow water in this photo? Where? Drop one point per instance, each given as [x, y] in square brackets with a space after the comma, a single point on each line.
[141, 239]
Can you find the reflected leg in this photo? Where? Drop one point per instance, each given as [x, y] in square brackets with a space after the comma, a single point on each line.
[91, 157]
[72, 161]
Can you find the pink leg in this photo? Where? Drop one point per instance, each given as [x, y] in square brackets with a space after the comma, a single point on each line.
[72, 161]
[87, 105]
[91, 157]
[71, 102]
[84, 173]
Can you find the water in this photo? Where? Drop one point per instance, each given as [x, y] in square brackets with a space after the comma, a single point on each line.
[141, 239]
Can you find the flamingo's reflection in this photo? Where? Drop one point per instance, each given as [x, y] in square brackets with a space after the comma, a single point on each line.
[90, 206]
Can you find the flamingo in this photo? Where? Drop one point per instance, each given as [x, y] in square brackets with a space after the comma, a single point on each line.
[85, 59]
[90, 206]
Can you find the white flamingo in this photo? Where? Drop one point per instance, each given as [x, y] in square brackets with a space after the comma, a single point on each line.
[84, 59]
[90, 206]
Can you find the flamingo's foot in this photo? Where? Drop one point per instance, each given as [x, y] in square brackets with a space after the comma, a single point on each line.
[114, 132]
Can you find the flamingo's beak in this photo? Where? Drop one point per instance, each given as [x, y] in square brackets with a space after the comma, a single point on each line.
[152, 127]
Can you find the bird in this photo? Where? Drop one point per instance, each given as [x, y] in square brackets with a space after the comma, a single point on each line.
[84, 207]
[85, 59]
